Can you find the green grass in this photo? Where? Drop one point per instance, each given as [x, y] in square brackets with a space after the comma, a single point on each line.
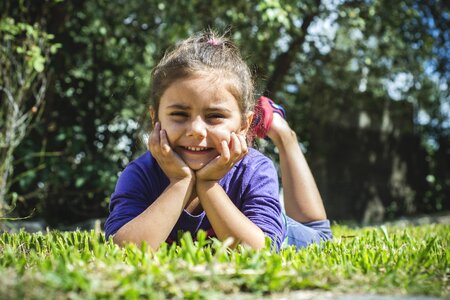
[82, 265]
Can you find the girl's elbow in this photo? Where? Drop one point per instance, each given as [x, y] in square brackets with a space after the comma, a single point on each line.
[258, 242]
[122, 239]
[118, 239]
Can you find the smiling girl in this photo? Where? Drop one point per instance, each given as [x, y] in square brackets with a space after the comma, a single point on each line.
[200, 173]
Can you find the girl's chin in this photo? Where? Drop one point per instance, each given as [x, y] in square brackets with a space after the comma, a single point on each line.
[196, 165]
[197, 161]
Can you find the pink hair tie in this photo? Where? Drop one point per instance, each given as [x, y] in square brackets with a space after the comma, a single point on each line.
[213, 41]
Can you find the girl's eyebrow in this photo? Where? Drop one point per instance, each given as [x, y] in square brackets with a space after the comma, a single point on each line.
[187, 107]
[218, 108]
[178, 106]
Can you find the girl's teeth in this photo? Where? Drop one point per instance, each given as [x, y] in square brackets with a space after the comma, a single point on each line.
[196, 148]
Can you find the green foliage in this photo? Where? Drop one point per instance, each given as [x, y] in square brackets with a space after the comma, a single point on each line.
[28, 41]
[95, 113]
[80, 265]
[376, 66]
[24, 54]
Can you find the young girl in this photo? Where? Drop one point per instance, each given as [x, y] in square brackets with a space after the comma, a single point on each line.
[200, 172]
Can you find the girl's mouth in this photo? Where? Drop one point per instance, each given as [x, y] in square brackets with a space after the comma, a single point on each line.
[196, 150]
[196, 157]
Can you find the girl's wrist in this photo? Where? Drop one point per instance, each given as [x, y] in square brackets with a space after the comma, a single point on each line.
[182, 180]
[202, 185]
[285, 139]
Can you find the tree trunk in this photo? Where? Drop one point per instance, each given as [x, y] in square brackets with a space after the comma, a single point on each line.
[284, 60]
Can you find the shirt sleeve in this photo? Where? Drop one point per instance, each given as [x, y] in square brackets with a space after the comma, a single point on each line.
[134, 192]
[261, 200]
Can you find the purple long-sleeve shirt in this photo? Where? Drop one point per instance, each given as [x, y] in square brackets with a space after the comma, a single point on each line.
[252, 185]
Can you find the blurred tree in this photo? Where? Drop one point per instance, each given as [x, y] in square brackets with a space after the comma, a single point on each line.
[354, 75]
[373, 85]
[24, 54]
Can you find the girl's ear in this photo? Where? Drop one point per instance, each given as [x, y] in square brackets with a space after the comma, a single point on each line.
[247, 122]
[152, 112]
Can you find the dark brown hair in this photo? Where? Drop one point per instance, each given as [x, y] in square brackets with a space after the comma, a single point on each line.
[205, 53]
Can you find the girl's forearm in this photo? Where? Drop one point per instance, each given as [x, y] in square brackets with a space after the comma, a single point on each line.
[155, 223]
[226, 219]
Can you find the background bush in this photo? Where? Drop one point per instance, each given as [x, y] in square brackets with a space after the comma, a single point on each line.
[364, 82]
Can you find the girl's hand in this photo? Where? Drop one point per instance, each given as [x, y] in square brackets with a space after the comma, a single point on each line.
[229, 156]
[171, 163]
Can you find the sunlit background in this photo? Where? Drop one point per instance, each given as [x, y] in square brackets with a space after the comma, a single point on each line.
[365, 85]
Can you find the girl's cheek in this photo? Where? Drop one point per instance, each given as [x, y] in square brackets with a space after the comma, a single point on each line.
[170, 133]
[219, 134]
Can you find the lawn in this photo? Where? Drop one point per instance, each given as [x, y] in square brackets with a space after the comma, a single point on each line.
[82, 265]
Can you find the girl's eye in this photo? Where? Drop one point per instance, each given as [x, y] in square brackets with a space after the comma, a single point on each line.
[179, 114]
[216, 116]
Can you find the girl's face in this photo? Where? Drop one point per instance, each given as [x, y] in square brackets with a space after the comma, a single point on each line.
[199, 112]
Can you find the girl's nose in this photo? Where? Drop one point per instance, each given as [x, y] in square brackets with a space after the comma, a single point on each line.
[198, 128]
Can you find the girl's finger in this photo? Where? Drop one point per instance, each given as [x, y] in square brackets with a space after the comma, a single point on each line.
[236, 149]
[153, 140]
[243, 142]
[164, 142]
[225, 152]
[235, 145]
